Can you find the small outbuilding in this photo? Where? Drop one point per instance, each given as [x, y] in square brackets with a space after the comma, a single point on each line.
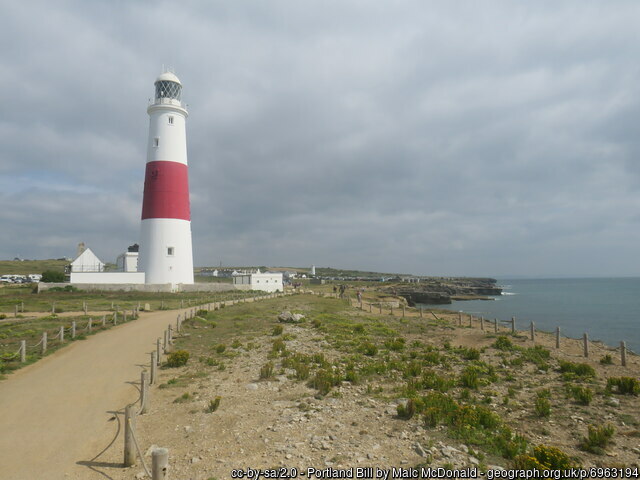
[86, 261]
[265, 282]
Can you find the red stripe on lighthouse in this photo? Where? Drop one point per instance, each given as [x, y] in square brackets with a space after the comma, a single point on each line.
[166, 191]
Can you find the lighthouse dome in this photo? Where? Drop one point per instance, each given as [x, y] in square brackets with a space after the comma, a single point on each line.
[168, 86]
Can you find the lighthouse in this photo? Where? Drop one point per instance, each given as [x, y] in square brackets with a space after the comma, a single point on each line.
[165, 240]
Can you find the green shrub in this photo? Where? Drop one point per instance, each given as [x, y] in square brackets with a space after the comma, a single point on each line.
[315, 323]
[267, 370]
[277, 330]
[52, 276]
[202, 313]
[606, 360]
[178, 358]
[368, 349]
[323, 381]
[623, 385]
[544, 458]
[220, 348]
[278, 346]
[236, 344]
[213, 405]
[582, 395]
[542, 405]
[3, 316]
[470, 353]
[396, 345]
[577, 369]
[597, 439]
[503, 343]
[358, 328]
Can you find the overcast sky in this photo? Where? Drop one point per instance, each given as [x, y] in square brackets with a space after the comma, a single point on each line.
[425, 137]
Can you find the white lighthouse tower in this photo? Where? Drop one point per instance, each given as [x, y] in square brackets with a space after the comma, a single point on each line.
[165, 241]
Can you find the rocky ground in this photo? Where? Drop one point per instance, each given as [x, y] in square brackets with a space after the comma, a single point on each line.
[378, 362]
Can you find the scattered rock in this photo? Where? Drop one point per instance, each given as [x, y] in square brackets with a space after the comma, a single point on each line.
[288, 317]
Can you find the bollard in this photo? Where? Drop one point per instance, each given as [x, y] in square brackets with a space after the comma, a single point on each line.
[178, 324]
[495, 325]
[482, 323]
[90, 325]
[160, 464]
[129, 447]
[44, 343]
[23, 351]
[158, 351]
[585, 344]
[73, 330]
[144, 392]
[154, 364]
[623, 353]
[61, 334]
[557, 337]
[532, 327]
[513, 324]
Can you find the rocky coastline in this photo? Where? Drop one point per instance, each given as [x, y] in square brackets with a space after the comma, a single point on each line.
[441, 291]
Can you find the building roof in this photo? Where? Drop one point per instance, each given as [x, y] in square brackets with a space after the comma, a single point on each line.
[168, 77]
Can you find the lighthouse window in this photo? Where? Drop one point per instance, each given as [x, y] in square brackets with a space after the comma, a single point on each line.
[170, 120]
[170, 251]
[156, 142]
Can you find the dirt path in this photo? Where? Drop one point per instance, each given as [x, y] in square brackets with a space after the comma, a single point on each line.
[56, 415]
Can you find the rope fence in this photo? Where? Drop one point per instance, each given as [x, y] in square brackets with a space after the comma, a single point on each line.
[494, 326]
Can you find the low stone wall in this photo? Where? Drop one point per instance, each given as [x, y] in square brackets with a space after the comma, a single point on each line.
[134, 287]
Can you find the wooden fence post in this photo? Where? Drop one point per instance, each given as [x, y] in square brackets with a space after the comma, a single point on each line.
[84, 307]
[420, 312]
[44, 343]
[585, 344]
[178, 324]
[15, 312]
[532, 328]
[623, 353]
[402, 311]
[482, 323]
[104, 321]
[154, 365]
[158, 350]
[470, 320]
[22, 307]
[495, 325]
[459, 319]
[73, 330]
[61, 333]
[160, 464]
[115, 318]
[124, 316]
[164, 342]
[144, 392]
[513, 324]
[53, 307]
[90, 325]
[170, 334]
[557, 337]
[23, 351]
[129, 447]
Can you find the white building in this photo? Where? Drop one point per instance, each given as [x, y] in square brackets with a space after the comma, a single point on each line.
[312, 272]
[127, 262]
[87, 261]
[165, 239]
[266, 282]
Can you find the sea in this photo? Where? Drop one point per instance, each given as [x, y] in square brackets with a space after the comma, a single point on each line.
[608, 309]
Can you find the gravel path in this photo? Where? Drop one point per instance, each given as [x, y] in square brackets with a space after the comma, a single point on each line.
[57, 415]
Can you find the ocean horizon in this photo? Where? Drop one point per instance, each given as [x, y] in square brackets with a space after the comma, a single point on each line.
[607, 308]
